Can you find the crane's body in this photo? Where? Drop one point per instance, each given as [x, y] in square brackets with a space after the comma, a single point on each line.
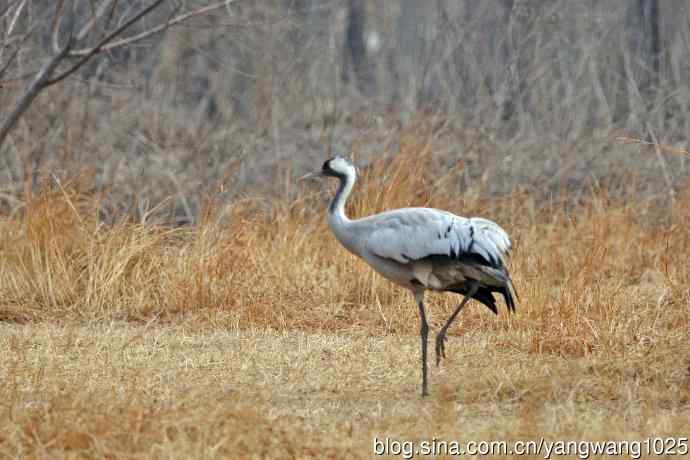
[424, 249]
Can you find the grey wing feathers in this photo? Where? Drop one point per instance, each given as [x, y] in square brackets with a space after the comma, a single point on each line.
[491, 237]
[416, 233]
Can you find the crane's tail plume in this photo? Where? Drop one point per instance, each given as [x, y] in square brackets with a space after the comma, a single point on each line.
[508, 296]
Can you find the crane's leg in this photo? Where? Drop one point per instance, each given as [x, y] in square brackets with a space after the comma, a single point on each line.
[441, 336]
[424, 333]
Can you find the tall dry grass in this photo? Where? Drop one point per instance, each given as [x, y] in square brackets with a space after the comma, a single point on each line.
[254, 334]
[602, 274]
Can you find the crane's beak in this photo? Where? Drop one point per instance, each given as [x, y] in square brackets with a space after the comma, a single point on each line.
[311, 175]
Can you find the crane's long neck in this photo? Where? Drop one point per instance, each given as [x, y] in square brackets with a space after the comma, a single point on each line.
[337, 219]
[336, 210]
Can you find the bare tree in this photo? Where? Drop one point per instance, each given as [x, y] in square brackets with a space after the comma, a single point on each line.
[648, 43]
[70, 36]
[356, 57]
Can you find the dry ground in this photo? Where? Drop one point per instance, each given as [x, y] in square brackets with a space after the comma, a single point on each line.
[255, 334]
[113, 390]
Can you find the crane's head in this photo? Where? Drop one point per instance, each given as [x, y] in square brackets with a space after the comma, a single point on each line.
[337, 166]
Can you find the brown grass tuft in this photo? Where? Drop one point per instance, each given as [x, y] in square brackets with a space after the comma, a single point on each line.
[600, 275]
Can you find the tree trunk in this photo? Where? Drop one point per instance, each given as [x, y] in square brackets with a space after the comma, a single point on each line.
[356, 54]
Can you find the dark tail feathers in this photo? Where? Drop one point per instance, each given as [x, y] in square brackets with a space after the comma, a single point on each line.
[485, 296]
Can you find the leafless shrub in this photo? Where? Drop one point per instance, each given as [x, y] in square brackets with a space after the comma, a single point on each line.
[526, 95]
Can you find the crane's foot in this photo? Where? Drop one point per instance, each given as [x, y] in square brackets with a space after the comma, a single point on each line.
[440, 346]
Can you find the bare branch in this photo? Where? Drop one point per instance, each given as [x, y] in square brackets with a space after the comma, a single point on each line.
[44, 78]
[6, 8]
[101, 45]
[40, 82]
[7, 39]
[16, 51]
[13, 22]
[96, 14]
[57, 20]
[150, 32]
[4, 68]
[111, 14]
[663, 147]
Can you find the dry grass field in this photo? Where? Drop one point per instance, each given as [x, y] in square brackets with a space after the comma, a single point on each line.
[255, 335]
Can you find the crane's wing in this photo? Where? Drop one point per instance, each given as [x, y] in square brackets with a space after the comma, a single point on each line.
[412, 234]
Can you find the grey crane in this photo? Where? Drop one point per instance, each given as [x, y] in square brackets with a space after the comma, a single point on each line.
[424, 248]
